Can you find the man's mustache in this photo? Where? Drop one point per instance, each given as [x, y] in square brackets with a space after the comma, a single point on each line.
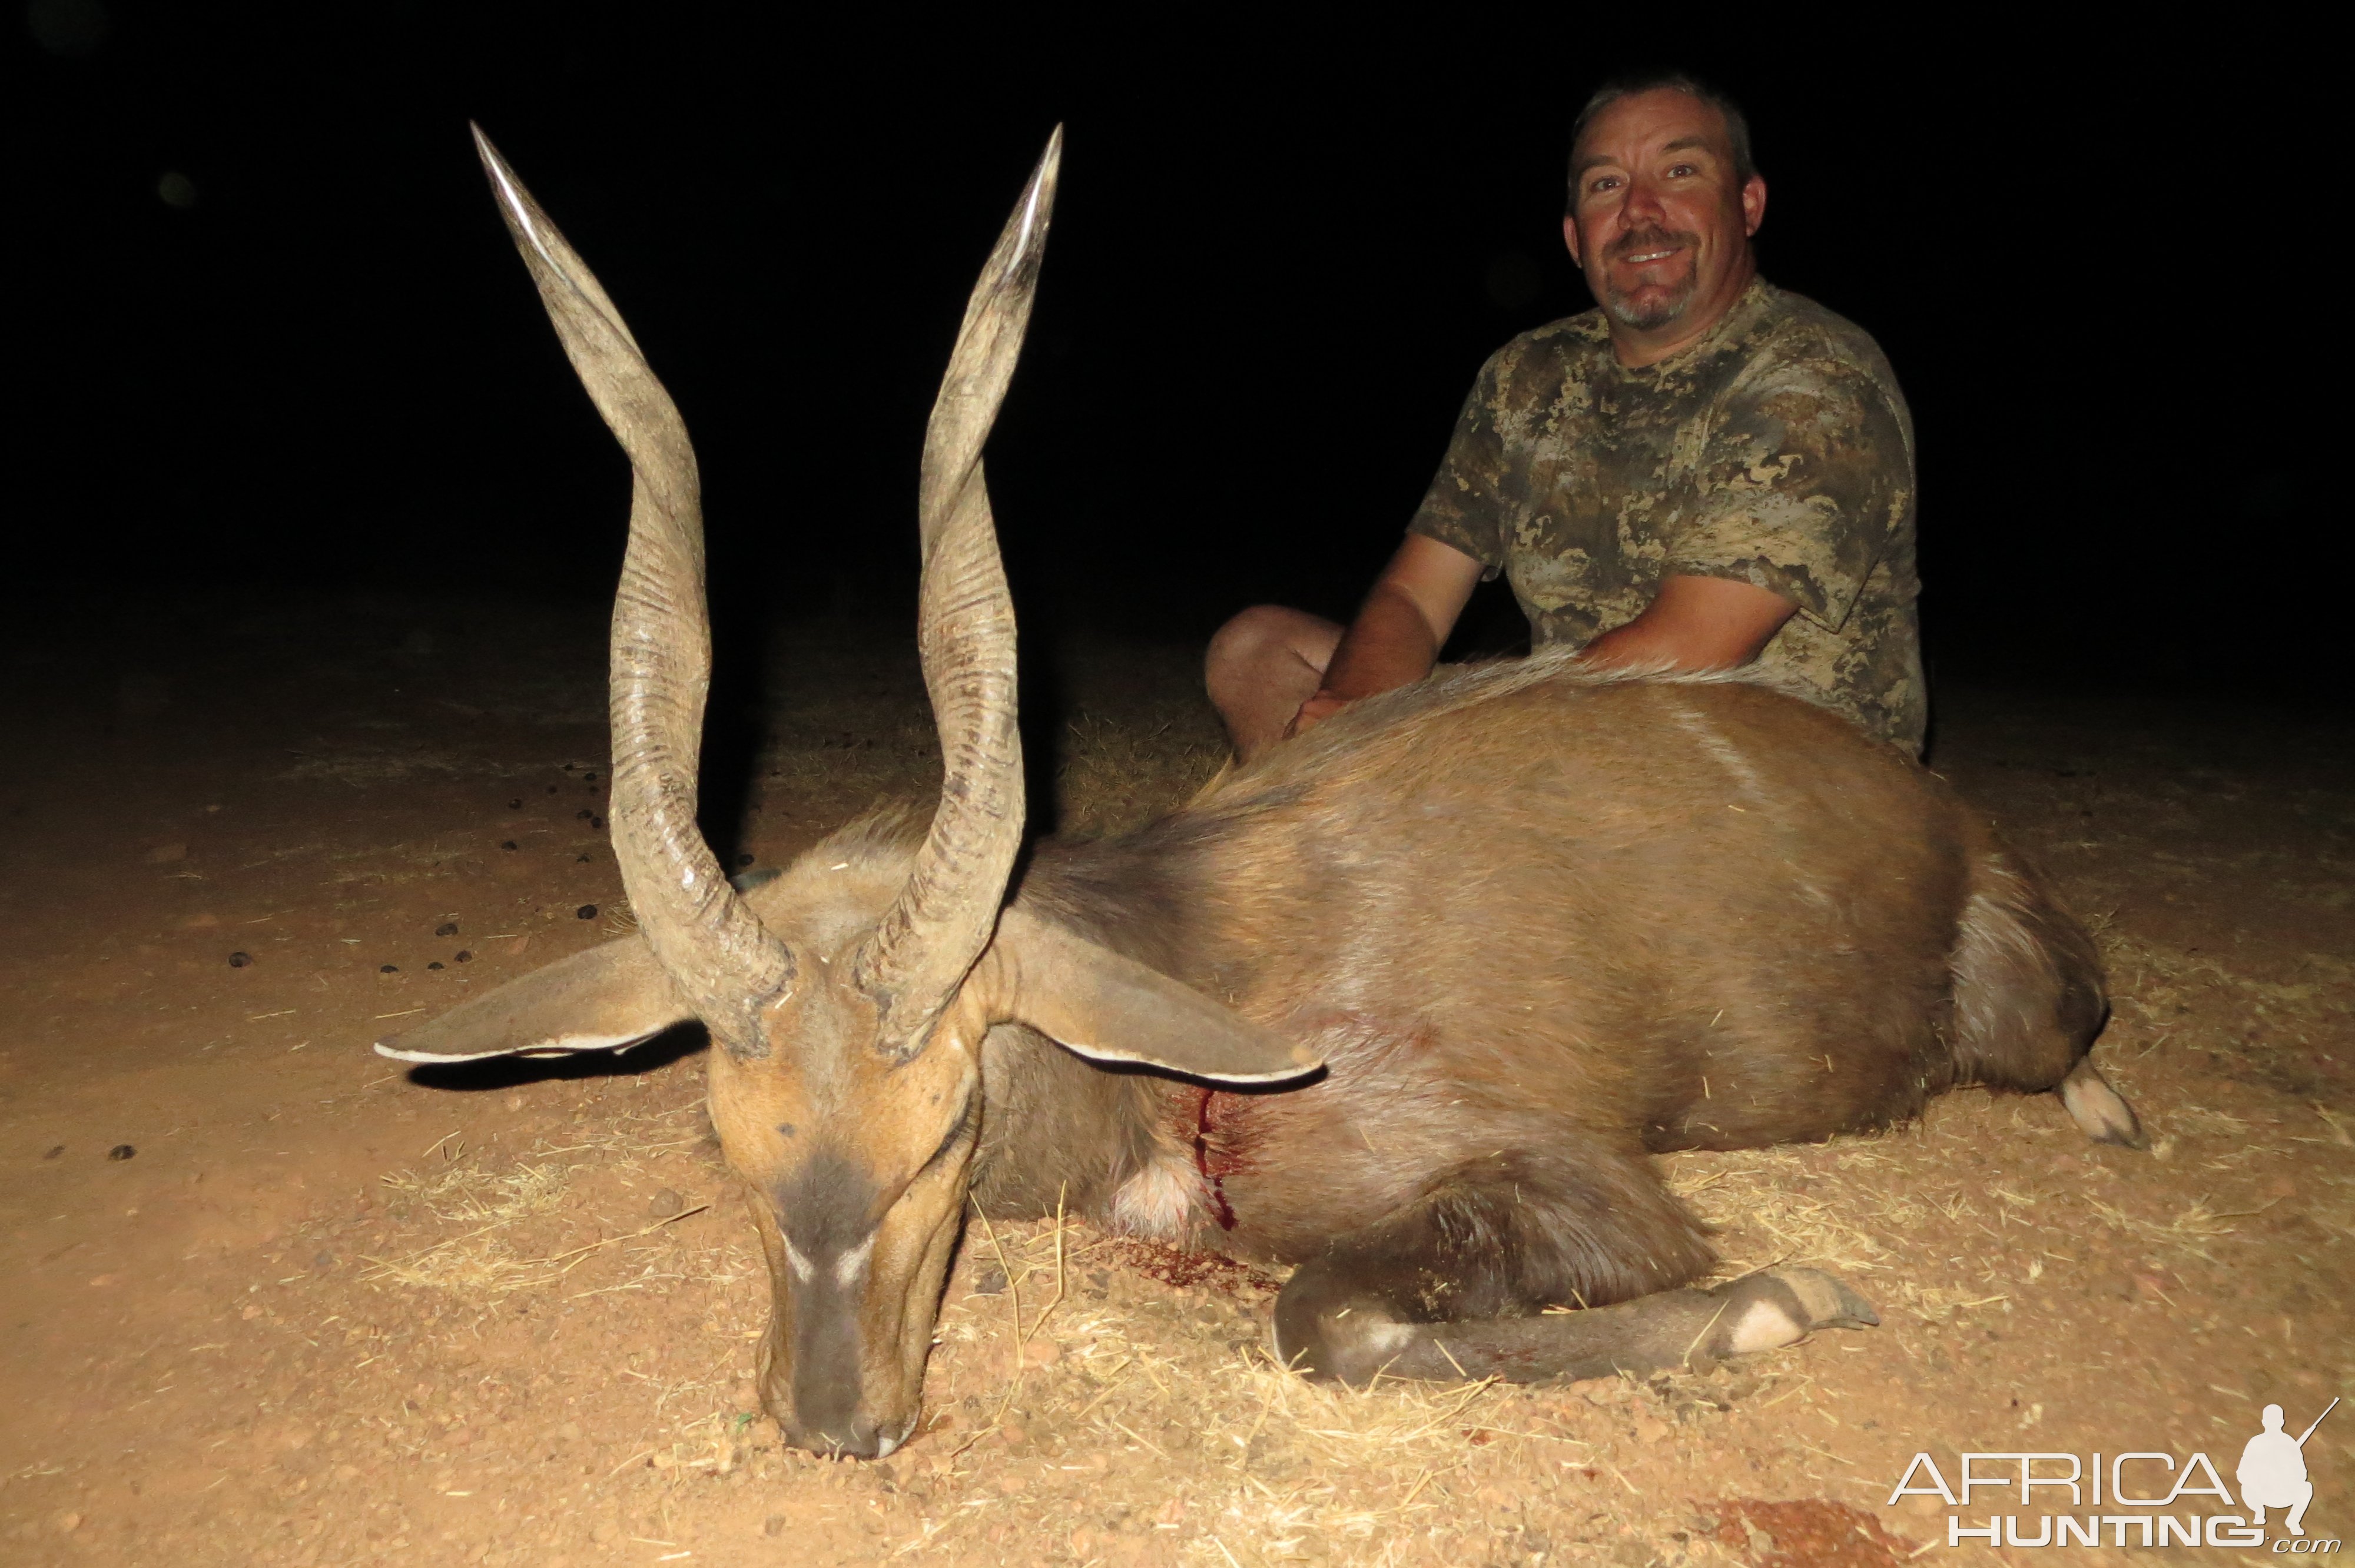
[1641, 240]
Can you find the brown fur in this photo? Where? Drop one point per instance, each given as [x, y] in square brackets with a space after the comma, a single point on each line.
[1538, 924]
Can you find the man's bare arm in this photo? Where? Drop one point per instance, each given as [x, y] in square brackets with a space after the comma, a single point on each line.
[1398, 633]
[1694, 623]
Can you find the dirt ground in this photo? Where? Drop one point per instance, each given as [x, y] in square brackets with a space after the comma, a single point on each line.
[272, 1299]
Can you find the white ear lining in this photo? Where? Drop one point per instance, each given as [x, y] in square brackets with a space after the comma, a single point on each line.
[563, 1046]
[1283, 1074]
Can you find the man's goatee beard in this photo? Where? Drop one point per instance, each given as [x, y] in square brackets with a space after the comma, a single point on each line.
[1650, 317]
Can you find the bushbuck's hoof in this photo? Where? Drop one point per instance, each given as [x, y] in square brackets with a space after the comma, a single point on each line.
[1783, 1306]
[2100, 1112]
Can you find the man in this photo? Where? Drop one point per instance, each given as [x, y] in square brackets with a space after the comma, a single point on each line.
[1703, 472]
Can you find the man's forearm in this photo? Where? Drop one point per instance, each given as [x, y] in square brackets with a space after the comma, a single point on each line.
[1388, 645]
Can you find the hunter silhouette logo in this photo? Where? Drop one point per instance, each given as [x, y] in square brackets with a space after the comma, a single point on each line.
[2155, 1496]
[2273, 1471]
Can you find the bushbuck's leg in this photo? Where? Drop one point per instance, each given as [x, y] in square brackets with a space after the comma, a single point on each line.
[1454, 1284]
[2029, 1002]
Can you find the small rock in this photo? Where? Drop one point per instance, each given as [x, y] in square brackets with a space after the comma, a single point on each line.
[587, 912]
[120, 1151]
[463, 956]
[773, 1525]
[239, 960]
[434, 965]
[506, 844]
[55, 1149]
[516, 804]
[323, 1260]
[447, 929]
[388, 968]
[666, 1203]
[67, 1524]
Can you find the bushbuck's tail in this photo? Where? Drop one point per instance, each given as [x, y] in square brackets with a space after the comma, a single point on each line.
[2029, 999]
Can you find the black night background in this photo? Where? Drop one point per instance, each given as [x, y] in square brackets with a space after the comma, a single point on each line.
[269, 332]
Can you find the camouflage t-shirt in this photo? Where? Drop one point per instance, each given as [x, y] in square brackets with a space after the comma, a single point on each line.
[1776, 452]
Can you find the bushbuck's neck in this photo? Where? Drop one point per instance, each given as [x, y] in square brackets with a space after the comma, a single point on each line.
[1056, 1129]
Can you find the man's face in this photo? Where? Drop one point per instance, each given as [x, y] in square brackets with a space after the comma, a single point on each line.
[1658, 219]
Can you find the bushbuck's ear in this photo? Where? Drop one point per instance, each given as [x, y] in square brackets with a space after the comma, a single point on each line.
[1108, 1008]
[607, 999]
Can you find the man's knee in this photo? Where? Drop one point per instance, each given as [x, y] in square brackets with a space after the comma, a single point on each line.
[1270, 640]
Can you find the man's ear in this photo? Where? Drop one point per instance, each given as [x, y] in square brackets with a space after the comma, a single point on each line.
[1107, 1008]
[1570, 238]
[1754, 202]
[607, 999]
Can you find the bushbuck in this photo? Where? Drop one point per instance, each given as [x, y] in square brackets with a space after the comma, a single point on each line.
[1404, 1004]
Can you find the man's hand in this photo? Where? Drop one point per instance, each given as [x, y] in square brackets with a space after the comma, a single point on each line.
[1694, 623]
[1313, 711]
[1398, 634]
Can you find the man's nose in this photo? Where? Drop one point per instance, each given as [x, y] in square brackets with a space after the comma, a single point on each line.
[1642, 209]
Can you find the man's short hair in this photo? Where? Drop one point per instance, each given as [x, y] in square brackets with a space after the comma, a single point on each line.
[1737, 124]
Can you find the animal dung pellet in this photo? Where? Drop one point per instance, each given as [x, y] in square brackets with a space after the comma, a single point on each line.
[55, 1149]
[434, 965]
[447, 929]
[388, 968]
[551, 789]
[506, 844]
[516, 804]
[120, 1151]
[587, 912]
[584, 814]
[665, 1203]
[463, 956]
[239, 960]
[582, 859]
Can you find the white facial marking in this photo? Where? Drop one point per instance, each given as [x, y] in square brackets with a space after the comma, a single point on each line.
[851, 1266]
[804, 1270]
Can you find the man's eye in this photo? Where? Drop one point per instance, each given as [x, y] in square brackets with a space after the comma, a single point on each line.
[1602, 183]
[1682, 169]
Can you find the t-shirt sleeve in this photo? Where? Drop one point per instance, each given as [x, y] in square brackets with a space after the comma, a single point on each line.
[1462, 508]
[1804, 480]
